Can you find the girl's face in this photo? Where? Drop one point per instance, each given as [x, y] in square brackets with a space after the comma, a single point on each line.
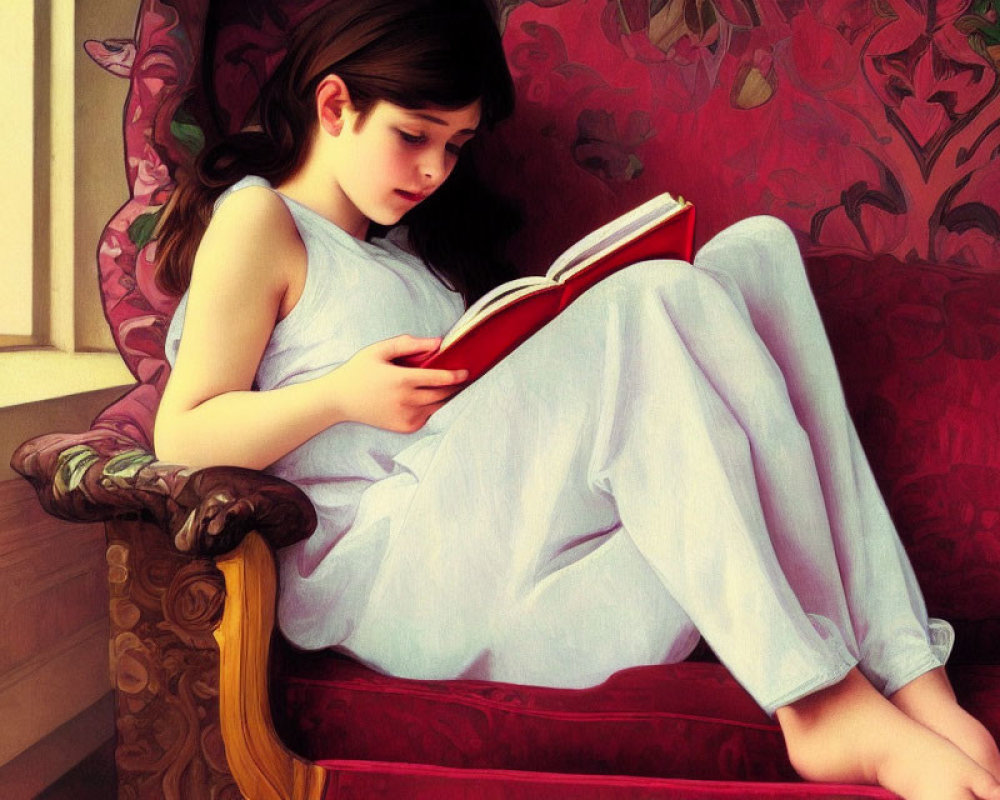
[396, 156]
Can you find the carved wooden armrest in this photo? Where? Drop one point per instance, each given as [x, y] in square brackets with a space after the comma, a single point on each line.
[101, 474]
[263, 768]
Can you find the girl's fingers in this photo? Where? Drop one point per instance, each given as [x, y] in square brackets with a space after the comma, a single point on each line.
[400, 346]
[431, 378]
[427, 397]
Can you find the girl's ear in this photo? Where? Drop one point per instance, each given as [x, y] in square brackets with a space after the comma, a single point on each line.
[332, 100]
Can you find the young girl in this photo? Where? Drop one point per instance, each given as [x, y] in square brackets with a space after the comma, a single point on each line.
[671, 457]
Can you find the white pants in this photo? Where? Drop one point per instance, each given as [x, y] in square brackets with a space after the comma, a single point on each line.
[671, 456]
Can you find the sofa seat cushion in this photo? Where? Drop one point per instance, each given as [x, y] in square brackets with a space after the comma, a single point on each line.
[353, 780]
[688, 720]
[680, 721]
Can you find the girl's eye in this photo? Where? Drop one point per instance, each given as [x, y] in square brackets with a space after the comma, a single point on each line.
[421, 138]
[412, 138]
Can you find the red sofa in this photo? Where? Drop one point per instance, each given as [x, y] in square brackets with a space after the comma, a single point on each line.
[871, 130]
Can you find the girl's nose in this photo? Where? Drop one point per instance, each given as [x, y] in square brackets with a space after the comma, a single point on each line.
[435, 166]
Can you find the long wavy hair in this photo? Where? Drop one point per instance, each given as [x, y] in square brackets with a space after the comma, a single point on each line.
[413, 53]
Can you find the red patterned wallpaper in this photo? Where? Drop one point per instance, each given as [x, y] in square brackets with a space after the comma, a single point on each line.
[871, 125]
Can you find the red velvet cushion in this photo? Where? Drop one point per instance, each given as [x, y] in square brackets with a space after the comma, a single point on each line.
[918, 348]
[687, 720]
[363, 781]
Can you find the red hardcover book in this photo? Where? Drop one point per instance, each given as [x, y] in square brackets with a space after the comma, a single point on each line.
[507, 315]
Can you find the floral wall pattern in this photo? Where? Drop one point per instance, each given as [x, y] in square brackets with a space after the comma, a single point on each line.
[869, 125]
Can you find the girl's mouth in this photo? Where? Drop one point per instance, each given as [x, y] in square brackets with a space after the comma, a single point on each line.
[411, 196]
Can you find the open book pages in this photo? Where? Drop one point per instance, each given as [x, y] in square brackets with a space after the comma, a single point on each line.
[582, 254]
[498, 297]
[629, 225]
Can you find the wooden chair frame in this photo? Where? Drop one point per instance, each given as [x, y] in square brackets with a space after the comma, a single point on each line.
[263, 768]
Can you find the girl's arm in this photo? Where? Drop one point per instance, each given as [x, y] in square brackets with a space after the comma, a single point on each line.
[247, 275]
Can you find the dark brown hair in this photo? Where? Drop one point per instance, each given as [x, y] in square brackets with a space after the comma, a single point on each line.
[413, 53]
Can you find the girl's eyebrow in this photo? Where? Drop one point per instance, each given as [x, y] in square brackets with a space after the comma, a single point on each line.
[439, 121]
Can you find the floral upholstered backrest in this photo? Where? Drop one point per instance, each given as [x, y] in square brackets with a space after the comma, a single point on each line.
[871, 127]
[160, 63]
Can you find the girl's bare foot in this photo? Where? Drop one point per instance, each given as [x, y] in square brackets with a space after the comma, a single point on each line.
[930, 700]
[850, 732]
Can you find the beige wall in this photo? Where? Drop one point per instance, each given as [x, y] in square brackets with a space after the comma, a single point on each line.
[53, 658]
[80, 181]
[64, 165]
[16, 107]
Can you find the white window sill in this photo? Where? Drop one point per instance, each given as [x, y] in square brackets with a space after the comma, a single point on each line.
[46, 391]
[33, 376]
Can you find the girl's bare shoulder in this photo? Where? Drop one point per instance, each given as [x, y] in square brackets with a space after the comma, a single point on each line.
[259, 214]
[252, 236]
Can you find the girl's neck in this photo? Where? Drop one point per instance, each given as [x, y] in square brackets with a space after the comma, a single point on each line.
[327, 199]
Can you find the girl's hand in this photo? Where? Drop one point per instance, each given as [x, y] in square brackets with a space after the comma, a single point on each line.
[370, 388]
